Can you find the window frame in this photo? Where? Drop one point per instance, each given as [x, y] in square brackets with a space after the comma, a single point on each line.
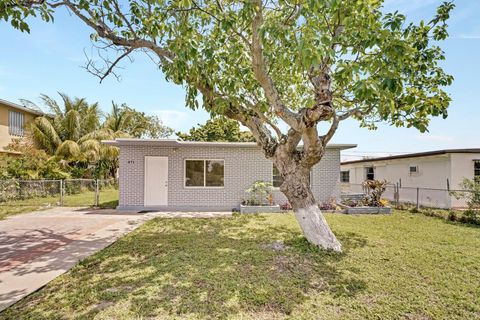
[204, 174]
[413, 173]
[476, 162]
[16, 129]
[366, 173]
[341, 178]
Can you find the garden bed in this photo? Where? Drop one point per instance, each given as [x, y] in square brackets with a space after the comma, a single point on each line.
[367, 210]
[260, 209]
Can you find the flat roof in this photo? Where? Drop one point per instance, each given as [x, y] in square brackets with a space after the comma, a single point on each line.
[416, 155]
[20, 107]
[177, 143]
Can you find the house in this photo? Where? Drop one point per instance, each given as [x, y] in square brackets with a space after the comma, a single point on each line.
[165, 174]
[435, 173]
[13, 121]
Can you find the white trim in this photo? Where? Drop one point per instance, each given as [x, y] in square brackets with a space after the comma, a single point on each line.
[204, 174]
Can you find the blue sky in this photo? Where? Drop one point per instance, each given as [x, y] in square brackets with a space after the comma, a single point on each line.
[49, 59]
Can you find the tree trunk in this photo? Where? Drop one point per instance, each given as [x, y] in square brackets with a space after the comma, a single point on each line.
[296, 187]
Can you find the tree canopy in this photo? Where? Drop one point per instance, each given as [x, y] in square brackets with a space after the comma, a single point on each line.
[217, 129]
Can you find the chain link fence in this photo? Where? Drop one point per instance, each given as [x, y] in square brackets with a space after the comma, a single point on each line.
[419, 196]
[69, 192]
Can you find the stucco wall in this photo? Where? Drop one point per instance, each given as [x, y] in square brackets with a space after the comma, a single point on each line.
[5, 137]
[433, 174]
[243, 166]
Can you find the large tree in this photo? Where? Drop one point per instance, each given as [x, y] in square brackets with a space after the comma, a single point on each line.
[308, 64]
[217, 129]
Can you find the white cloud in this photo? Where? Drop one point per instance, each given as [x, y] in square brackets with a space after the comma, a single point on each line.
[170, 117]
[182, 120]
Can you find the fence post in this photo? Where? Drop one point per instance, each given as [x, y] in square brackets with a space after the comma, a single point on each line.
[97, 193]
[61, 192]
[398, 194]
[418, 196]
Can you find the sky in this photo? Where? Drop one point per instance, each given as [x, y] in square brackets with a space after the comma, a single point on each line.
[51, 57]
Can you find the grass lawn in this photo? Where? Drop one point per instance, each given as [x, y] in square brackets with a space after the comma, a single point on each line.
[108, 199]
[398, 266]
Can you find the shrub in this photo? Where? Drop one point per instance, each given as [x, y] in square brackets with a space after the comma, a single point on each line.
[374, 189]
[414, 210]
[470, 192]
[328, 205]
[260, 193]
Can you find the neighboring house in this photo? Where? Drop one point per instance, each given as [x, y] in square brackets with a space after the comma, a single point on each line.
[182, 175]
[434, 172]
[13, 121]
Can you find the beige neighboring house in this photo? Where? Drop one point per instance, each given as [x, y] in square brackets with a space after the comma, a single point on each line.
[434, 172]
[13, 121]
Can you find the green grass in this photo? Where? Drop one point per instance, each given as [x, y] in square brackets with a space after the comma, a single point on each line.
[108, 199]
[398, 266]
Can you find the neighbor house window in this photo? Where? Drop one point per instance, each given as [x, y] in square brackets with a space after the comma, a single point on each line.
[369, 173]
[345, 176]
[277, 178]
[476, 169]
[15, 123]
[204, 173]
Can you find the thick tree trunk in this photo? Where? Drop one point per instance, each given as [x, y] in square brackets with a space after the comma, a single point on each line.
[296, 187]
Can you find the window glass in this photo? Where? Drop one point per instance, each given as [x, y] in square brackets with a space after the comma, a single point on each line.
[370, 173]
[194, 173]
[214, 174]
[476, 170]
[345, 176]
[15, 123]
[277, 179]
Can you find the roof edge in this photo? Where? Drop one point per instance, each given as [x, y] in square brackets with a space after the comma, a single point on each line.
[20, 107]
[414, 155]
[176, 143]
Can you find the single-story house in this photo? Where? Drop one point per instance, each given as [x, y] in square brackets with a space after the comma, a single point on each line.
[435, 173]
[164, 174]
[13, 121]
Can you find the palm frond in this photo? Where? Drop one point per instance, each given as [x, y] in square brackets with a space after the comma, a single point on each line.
[51, 104]
[69, 150]
[72, 124]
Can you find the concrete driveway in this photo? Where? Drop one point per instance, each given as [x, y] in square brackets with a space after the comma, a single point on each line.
[36, 247]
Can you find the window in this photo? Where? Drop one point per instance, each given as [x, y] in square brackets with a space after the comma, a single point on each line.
[204, 173]
[476, 169]
[413, 169]
[277, 178]
[15, 123]
[369, 173]
[345, 176]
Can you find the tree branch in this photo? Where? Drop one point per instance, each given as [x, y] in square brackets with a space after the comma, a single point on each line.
[262, 76]
[105, 32]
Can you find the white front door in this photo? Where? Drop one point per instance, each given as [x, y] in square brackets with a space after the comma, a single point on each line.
[156, 181]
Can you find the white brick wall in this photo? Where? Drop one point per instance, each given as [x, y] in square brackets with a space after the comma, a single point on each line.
[243, 166]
